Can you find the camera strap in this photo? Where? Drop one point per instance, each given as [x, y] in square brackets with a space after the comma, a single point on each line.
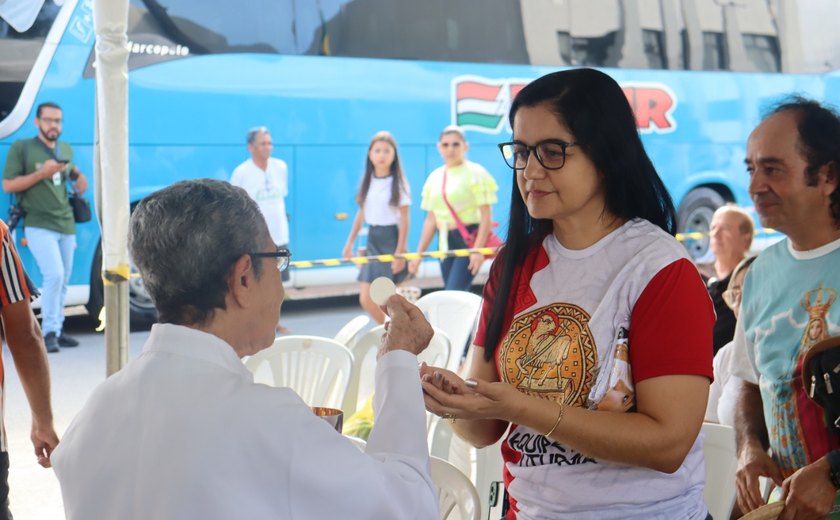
[24, 156]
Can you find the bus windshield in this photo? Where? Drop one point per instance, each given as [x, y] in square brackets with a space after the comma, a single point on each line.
[19, 50]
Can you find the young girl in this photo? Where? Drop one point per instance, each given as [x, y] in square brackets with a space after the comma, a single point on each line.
[383, 199]
[592, 356]
[469, 192]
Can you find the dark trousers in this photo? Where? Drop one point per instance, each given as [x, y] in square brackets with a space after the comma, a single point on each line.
[5, 514]
[455, 269]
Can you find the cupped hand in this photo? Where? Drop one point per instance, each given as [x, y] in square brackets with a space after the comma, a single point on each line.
[753, 463]
[808, 493]
[444, 380]
[446, 394]
[408, 329]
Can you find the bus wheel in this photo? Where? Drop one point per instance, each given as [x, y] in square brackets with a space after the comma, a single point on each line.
[142, 310]
[695, 216]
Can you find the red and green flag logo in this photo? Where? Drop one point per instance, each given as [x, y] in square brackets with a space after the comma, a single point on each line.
[482, 104]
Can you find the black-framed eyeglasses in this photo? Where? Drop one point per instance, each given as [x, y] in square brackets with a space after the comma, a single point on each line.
[551, 153]
[283, 256]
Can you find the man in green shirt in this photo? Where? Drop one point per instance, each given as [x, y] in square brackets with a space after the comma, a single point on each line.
[37, 171]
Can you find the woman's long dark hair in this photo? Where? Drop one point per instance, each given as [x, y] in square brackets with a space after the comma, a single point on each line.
[399, 183]
[595, 110]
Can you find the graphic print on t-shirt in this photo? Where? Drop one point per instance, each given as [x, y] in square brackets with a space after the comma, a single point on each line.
[792, 414]
[549, 352]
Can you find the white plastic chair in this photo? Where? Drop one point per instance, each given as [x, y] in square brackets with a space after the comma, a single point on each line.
[349, 333]
[317, 368]
[483, 466]
[721, 462]
[439, 350]
[364, 366]
[456, 492]
[455, 313]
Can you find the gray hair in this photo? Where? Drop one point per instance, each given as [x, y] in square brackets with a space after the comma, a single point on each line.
[184, 240]
[747, 226]
[251, 136]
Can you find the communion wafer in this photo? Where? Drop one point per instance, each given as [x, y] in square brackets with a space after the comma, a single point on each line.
[381, 289]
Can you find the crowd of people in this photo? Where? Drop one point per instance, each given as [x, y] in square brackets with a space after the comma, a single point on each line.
[458, 197]
[599, 352]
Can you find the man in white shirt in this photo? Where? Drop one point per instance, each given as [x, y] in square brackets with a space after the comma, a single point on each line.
[265, 178]
[184, 432]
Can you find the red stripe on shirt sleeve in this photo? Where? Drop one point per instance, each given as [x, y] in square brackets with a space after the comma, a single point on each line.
[13, 287]
[521, 296]
[671, 325]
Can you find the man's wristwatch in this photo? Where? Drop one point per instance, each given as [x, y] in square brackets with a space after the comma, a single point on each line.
[833, 458]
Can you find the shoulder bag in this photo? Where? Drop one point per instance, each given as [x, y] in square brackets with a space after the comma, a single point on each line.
[493, 239]
[80, 206]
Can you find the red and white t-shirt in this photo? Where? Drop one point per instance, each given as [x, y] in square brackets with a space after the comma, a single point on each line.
[583, 328]
[13, 289]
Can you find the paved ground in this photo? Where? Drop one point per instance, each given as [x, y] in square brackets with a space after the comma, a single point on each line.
[35, 494]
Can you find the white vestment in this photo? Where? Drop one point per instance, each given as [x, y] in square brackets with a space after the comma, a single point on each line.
[183, 432]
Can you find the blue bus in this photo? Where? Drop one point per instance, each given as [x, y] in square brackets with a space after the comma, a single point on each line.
[325, 75]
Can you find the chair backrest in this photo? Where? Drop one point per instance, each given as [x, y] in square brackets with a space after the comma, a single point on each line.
[721, 462]
[349, 333]
[482, 466]
[317, 368]
[364, 364]
[438, 352]
[456, 493]
[454, 312]
[364, 367]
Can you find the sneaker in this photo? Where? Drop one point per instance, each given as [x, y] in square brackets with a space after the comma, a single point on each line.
[51, 342]
[280, 329]
[66, 341]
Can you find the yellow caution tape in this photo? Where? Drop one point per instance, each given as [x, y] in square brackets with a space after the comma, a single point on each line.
[440, 255]
[361, 260]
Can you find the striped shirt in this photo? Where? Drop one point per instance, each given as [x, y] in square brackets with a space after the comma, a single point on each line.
[13, 288]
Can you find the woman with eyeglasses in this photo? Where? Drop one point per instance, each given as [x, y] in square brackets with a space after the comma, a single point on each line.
[383, 199]
[723, 393]
[460, 190]
[600, 404]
